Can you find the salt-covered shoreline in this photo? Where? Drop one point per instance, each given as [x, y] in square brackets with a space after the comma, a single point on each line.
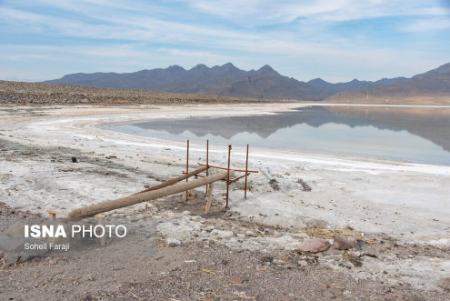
[406, 201]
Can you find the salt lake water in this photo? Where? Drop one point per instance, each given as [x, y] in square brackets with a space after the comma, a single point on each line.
[419, 135]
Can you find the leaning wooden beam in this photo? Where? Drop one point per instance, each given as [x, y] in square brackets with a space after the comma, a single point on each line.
[232, 169]
[175, 180]
[92, 210]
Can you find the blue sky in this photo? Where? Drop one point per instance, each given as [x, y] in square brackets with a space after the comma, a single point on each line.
[337, 40]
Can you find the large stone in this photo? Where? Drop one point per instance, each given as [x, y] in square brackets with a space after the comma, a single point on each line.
[344, 242]
[314, 245]
[172, 242]
[445, 284]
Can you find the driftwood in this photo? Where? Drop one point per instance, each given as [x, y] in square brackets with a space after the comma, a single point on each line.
[105, 206]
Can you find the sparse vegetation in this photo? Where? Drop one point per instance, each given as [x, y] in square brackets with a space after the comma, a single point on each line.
[21, 93]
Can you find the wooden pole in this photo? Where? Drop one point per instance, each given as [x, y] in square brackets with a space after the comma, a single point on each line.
[209, 198]
[105, 206]
[207, 163]
[228, 177]
[232, 169]
[187, 167]
[175, 180]
[246, 174]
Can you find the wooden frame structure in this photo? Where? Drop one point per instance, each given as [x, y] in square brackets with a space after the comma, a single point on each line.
[230, 170]
[175, 185]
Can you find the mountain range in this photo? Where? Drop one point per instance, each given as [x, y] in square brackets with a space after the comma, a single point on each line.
[264, 83]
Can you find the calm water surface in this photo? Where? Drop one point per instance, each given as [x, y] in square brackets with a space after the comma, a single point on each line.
[405, 134]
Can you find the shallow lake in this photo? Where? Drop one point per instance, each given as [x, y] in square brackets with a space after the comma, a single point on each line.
[420, 135]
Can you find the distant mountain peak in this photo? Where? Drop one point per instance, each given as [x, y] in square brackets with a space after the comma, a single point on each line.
[318, 80]
[266, 69]
[175, 68]
[200, 67]
[229, 66]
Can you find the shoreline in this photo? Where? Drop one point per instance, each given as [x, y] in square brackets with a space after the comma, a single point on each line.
[78, 128]
[398, 210]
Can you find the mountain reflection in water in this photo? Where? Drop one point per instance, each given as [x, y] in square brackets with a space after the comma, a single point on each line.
[405, 134]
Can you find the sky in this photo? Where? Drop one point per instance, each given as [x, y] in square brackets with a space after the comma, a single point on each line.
[337, 40]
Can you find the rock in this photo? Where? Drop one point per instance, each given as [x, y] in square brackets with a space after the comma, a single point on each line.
[274, 184]
[445, 284]
[305, 186]
[250, 233]
[314, 245]
[353, 257]
[74, 160]
[344, 242]
[172, 242]
[278, 261]
[225, 234]
[302, 263]
[266, 258]
[222, 234]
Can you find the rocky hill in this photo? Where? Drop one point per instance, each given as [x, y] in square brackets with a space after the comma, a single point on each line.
[21, 93]
[265, 83]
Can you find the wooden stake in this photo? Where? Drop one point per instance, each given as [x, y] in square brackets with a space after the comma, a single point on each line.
[246, 174]
[228, 177]
[209, 198]
[187, 167]
[207, 163]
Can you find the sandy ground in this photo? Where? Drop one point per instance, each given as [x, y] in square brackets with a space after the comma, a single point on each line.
[400, 211]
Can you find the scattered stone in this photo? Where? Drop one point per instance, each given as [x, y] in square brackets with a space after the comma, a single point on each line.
[302, 263]
[278, 261]
[274, 184]
[314, 245]
[250, 233]
[225, 234]
[353, 257]
[445, 284]
[305, 186]
[172, 242]
[266, 258]
[344, 242]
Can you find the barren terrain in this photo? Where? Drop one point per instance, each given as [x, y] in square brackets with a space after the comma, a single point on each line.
[397, 212]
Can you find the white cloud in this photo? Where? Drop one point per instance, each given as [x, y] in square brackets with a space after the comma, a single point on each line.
[337, 10]
[427, 25]
[139, 34]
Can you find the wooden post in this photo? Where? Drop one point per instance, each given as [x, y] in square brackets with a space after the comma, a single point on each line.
[52, 214]
[187, 167]
[246, 174]
[207, 163]
[228, 176]
[209, 197]
[100, 218]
